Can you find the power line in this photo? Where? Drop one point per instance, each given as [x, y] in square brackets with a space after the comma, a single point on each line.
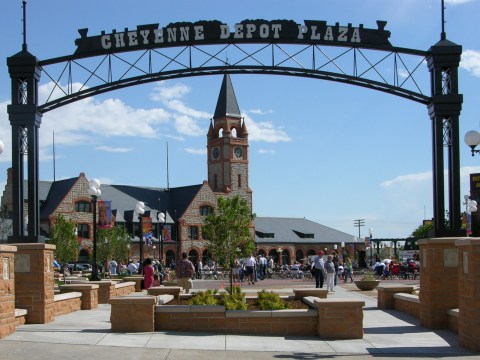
[359, 223]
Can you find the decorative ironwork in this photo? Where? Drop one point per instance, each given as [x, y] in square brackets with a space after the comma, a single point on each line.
[446, 82]
[22, 140]
[447, 132]
[400, 72]
[22, 91]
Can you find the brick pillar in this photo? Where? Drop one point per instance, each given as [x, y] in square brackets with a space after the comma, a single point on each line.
[34, 282]
[469, 287]
[7, 290]
[438, 281]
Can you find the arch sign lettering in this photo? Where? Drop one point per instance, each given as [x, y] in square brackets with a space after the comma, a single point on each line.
[215, 32]
[213, 38]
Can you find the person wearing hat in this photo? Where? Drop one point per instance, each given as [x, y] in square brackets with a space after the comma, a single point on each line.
[319, 269]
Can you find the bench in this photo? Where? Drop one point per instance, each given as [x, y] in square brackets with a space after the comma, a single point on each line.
[162, 290]
[407, 303]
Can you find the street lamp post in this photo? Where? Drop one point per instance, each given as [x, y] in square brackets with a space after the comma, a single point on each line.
[140, 210]
[470, 207]
[94, 192]
[370, 232]
[161, 221]
[472, 139]
[343, 251]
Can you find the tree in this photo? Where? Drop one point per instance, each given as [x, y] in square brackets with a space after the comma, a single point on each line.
[63, 237]
[112, 243]
[228, 231]
[5, 224]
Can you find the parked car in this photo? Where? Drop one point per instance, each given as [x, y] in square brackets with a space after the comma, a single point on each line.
[80, 267]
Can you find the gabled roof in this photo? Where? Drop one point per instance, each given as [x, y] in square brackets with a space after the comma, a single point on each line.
[57, 191]
[173, 201]
[227, 104]
[296, 230]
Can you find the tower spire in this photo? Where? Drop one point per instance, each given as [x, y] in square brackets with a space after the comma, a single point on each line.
[227, 101]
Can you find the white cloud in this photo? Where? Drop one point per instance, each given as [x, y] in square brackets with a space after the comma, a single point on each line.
[112, 149]
[260, 111]
[196, 151]
[457, 2]
[471, 61]
[409, 179]
[187, 126]
[266, 151]
[264, 131]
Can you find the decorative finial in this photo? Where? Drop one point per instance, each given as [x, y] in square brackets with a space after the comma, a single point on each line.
[24, 45]
[444, 35]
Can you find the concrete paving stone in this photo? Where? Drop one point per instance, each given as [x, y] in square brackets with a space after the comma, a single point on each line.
[276, 343]
[187, 341]
[136, 340]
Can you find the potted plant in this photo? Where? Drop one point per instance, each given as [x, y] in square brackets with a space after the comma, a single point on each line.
[367, 282]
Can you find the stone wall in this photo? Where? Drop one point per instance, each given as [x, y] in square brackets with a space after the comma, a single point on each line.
[7, 290]
[67, 303]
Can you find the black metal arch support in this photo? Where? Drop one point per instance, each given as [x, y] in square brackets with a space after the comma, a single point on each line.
[79, 77]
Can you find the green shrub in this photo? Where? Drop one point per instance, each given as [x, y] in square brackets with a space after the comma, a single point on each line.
[204, 298]
[268, 300]
[234, 300]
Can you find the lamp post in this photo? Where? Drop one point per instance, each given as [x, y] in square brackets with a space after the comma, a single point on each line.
[470, 207]
[343, 251]
[472, 139]
[94, 192]
[279, 250]
[161, 221]
[370, 232]
[140, 210]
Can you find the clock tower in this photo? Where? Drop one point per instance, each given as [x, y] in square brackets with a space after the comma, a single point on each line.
[227, 144]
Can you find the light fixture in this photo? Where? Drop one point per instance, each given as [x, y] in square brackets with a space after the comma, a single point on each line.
[140, 210]
[161, 221]
[472, 139]
[94, 191]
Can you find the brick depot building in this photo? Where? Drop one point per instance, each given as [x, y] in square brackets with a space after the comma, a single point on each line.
[283, 239]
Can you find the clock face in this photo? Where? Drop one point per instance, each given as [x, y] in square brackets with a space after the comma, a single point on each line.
[215, 153]
[238, 152]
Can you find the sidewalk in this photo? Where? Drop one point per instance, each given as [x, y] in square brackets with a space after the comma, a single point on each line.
[86, 335]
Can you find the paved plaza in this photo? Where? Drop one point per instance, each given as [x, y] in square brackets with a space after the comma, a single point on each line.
[86, 335]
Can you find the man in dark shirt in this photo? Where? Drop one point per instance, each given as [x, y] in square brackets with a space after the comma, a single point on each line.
[184, 270]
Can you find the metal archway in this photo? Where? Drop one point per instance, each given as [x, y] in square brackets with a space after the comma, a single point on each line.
[346, 54]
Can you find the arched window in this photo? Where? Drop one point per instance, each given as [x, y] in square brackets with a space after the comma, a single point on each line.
[206, 257]
[239, 180]
[220, 133]
[193, 257]
[170, 257]
[82, 206]
[234, 132]
[299, 255]
[274, 255]
[261, 252]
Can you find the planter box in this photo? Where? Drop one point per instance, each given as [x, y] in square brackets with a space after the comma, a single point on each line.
[367, 284]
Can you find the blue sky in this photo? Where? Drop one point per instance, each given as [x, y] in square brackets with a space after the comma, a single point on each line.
[325, 151]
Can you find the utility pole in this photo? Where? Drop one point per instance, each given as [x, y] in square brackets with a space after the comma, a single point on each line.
[359, 223]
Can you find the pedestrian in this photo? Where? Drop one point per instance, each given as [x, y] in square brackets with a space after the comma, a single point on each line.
[348, 270]
[318, 269]
[335, 260]
[185, 270]
[250, 264]
[330, 270]
[132, 268]
[113, 267]
[156, 280]
[148, 274]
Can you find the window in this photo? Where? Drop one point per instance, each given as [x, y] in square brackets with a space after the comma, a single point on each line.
[205, 210]
[239, 179]
[83, 231]
[82, 206]
[264, 235]
[193, 233]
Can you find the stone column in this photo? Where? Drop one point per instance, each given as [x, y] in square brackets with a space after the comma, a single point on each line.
[438, 281]
[469, 287]
[7, 290]
[34, 282]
